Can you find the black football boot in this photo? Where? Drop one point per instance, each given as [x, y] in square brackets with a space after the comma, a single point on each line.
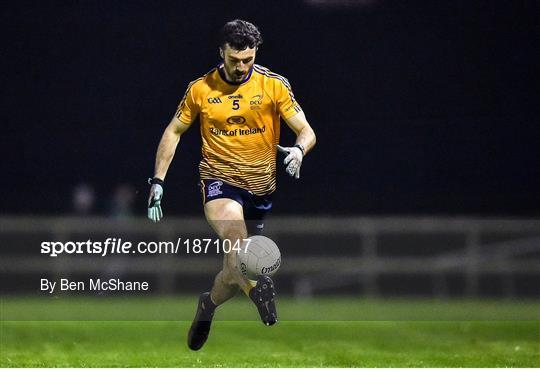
[263, 295]
[200, 328]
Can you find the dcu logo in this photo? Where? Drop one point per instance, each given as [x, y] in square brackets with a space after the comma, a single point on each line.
[214, 189]
[256, 100]
[214, 100]
[236, 120]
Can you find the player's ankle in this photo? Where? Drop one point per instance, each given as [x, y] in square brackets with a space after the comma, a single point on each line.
[210, 302]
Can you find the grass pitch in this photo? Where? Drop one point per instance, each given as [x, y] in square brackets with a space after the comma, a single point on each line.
[234, 343]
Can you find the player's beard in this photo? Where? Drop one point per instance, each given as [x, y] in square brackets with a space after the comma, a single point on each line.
[239, 76]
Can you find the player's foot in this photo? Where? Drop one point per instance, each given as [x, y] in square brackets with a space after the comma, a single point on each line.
[263, 295]
[200, 328]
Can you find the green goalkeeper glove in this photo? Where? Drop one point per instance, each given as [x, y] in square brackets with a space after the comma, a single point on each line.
[154, 200]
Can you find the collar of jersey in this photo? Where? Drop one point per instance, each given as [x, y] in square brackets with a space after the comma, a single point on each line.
[222, 75]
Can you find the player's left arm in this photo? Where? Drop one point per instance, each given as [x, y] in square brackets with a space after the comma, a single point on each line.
[305, 136]
[305, 141]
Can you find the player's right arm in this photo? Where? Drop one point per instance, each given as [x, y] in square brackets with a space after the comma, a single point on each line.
[187, 111]
[167, 147]
[165, 153]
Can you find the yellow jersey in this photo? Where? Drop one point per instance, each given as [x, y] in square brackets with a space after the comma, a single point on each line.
[240, 125]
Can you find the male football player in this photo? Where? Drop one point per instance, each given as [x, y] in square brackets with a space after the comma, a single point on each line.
[239, 105]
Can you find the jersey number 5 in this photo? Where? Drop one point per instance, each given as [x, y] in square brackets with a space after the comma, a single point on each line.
[235, 105]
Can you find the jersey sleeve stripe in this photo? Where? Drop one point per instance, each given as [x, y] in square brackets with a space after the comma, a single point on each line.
[266, 72]
[183, 101]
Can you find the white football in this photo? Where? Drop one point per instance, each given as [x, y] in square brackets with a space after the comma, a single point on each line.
[260, 257]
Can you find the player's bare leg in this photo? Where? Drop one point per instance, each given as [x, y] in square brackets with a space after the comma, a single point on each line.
[226, 217]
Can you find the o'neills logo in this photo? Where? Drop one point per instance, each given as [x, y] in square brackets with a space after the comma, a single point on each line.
[270, 269]
[236, 120]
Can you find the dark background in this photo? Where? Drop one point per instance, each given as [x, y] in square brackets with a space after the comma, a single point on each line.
[426, 108]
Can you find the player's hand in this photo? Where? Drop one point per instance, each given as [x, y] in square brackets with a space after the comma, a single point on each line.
[293, 159]
[154, 201]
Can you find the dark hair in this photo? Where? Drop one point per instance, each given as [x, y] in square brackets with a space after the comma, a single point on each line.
[240, 35]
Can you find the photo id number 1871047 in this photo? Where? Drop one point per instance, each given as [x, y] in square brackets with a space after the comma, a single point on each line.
[207, 245]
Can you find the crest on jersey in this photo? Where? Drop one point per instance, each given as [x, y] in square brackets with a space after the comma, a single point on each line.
[255, 102]
[236, 120]
[214, 189]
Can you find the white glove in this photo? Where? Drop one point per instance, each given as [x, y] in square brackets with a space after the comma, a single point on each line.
[154, 203]
[293, 160]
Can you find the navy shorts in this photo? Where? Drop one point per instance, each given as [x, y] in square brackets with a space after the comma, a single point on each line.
[255, 207]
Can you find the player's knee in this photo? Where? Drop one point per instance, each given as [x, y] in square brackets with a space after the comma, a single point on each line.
[235, 234]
